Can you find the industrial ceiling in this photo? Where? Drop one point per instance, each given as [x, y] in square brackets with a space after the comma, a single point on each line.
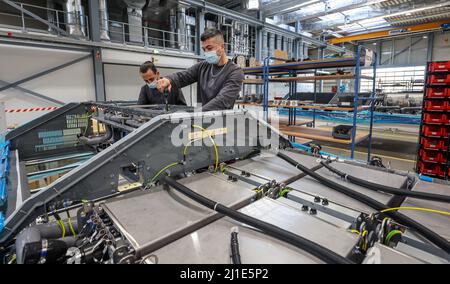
[344, 17]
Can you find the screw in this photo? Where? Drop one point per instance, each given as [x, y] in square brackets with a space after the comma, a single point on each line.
[317, 199]
[305, 208]
[313, 211]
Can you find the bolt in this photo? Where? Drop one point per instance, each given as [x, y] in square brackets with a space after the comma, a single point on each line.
[325, 202]
[305, 208]
[313, 211]
[317, 199]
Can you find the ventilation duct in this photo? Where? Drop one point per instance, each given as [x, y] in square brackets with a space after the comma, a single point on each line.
[51, 14]
[173, 27]
[134, 14]
[251, 4]
[181, 28]
[104, 20]
[75, 19]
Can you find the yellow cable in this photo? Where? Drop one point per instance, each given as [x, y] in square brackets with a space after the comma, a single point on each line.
[416, 209]
[161, 171]
[356, 232]
[214, 144]
[188, 144]
[13, 258]
[71, 227]
[63, 229]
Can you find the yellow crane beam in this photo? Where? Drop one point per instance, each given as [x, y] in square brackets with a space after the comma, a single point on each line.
[390, 32]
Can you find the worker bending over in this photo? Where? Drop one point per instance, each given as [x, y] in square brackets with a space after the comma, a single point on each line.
[150, 95]
[218, 79]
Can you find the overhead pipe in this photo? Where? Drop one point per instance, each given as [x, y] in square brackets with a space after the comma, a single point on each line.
[104, 20]
[75, 18]
[135, 24]
[51, 14]
[181, 27]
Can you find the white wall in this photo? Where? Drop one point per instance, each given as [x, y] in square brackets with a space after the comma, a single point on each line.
[441, 50]
[71, 84]
[121, 71]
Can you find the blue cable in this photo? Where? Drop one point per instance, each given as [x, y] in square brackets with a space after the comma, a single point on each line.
[2, 222]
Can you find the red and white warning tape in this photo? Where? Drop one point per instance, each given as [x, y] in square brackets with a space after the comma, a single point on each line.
[30, 109]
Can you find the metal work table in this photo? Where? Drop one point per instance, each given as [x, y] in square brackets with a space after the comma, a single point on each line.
[437, 222]
[212, 242]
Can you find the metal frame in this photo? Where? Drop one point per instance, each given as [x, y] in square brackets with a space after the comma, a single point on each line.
[40, 96]
[45, 72]
[149, 147]
[357, 65]
[34, 16]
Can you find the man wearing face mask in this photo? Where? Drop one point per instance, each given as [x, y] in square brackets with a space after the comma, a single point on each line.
[218, 79]
[150, 95]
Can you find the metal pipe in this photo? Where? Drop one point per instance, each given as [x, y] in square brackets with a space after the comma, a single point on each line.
[181, 27]
[104, 20]
[74, 14]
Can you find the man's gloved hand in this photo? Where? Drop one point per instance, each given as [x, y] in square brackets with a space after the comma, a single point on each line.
[164, 84]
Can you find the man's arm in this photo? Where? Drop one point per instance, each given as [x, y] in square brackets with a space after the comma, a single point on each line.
[228, 94]
[180, 98]
[143, 96]
[184, 78]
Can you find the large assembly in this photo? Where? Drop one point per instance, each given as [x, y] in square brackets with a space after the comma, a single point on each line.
[121, 183]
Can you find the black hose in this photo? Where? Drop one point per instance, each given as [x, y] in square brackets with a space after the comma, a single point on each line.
[235, 255]
[398, 217]
[387, 189]
[317, 250]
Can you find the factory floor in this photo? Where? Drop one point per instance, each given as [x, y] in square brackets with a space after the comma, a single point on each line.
[394, 154]
[396, 145]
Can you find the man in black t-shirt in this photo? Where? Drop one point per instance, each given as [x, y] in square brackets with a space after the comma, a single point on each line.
[150, 95]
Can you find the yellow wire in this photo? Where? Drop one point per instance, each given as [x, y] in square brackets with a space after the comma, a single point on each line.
[188, 144]
[161, 171]
[416, 209]
[63, 229]
[356, 232]
[214, 144]
[71, 227]
[13, 258]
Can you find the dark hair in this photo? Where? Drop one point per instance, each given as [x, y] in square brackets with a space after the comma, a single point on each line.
[148, 65]
[209, 33]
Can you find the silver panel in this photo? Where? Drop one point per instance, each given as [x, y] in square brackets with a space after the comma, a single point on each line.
[148, 218]
[211, 245]
[420, 254]
[312, 186]
[273, 167]
[302, 224]
[380, 254]
[436, 222]
[338, 215]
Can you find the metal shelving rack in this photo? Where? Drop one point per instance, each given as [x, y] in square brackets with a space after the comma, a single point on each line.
[289, 72]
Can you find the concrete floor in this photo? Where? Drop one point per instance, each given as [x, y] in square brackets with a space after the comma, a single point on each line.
[395, 154]
[396, 145]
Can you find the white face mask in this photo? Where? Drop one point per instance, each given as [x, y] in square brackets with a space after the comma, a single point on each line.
[152, 85]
